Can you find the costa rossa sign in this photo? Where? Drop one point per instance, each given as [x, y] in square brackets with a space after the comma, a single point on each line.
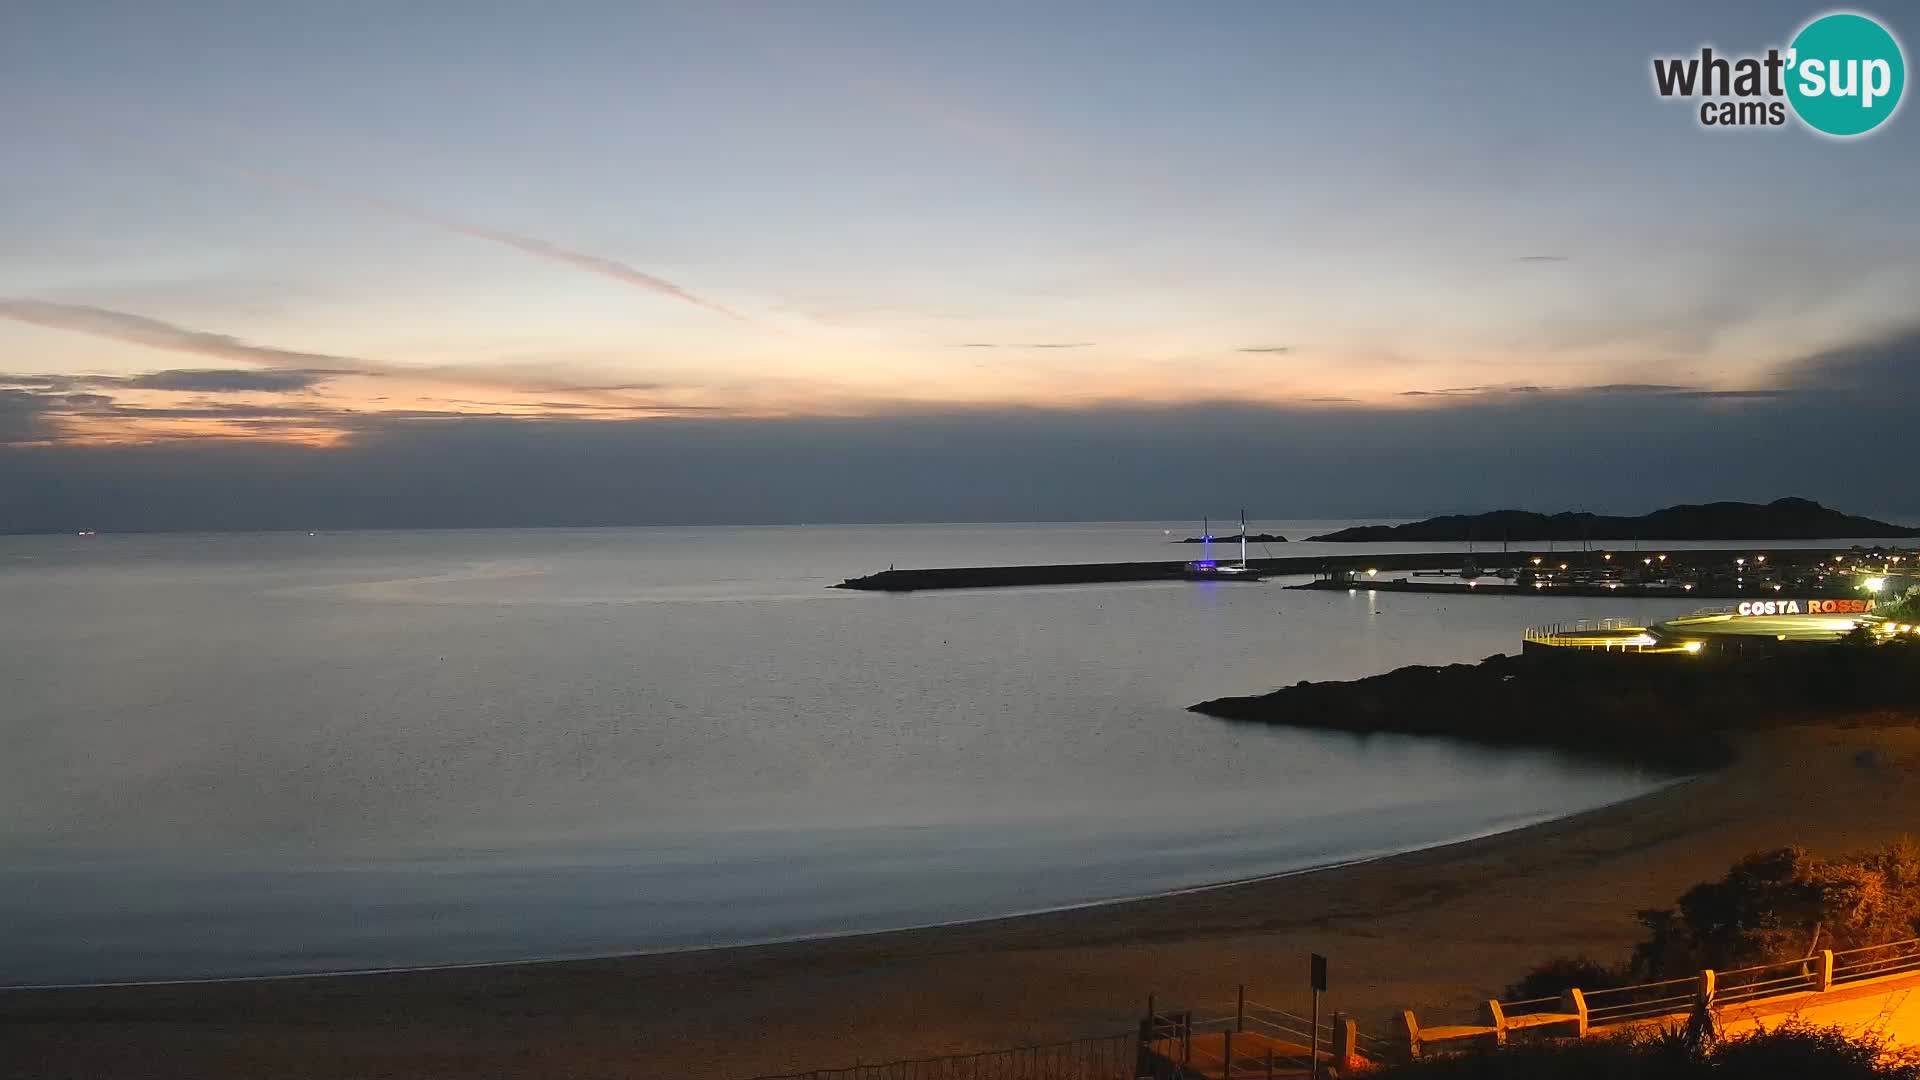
[1804, 607]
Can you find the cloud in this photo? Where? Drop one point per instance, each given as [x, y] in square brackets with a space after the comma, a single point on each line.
[1600, 390]
[1613, 447]
[1612, 452]
[23, 418]
[1028, 345]
[597, 264]
[153, 333]
[532, 245]
[227, 380]
[1888, 366]
[1637, 388]
[1267, 349]
[606, 388]
[188, 380]
[1544, 258]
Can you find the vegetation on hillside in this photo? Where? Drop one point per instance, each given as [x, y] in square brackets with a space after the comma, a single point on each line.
[1770, 906]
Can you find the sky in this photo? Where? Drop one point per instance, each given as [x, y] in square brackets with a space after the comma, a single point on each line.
[273, 264]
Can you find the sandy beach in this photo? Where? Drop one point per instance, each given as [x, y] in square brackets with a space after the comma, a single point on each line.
[1435, 930]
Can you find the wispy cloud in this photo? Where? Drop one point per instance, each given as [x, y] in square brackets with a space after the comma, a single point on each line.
[1027, 345]
[597, 264]
[1267, 349]
[223, 380]
[1544, 258]
[188, 380]
[1650, 390]
[532, 245]
[156, 334]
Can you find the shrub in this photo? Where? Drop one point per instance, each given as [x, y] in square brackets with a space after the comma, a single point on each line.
[1793, 1050]
[1770, 904]
[1904, 608]
[1562, 973]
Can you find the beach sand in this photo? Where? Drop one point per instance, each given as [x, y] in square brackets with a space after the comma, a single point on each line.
[1435, 931]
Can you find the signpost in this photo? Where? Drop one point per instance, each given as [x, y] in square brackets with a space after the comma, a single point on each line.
[1317, 972]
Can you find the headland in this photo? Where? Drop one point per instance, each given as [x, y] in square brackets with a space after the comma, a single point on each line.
[1782, 519]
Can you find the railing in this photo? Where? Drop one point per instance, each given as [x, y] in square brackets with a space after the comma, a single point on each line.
[1630, 1004]
[1745, 988]
[1112, 1057]
[1248, 1038]
[1875, 961]
[1742, 985]
[1581, 635]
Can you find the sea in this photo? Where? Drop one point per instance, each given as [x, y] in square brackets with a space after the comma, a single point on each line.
[239, 755]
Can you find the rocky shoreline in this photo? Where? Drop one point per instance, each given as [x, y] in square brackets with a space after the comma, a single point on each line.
[1667, 712]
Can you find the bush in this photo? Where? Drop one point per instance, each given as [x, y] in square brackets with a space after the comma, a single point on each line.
[1902, 609]
[1793, 1050]
[1770, 904]
[1563, 973]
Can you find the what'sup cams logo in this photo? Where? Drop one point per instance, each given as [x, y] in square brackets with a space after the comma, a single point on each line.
[1842, 76]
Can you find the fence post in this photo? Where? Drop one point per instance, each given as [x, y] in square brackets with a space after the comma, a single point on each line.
[1226, 1055]
[1575, 1001]
[1186, 1037]
[1345, 1035]
[1826, 970]
[1497, 1019]
[1412, 1029]
[1705, 992]
[1142, 1059]
[1240, 1009]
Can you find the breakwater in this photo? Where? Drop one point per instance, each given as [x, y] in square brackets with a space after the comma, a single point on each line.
[1714, 572]
[995, 577]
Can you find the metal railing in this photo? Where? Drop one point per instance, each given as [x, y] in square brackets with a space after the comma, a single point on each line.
[1249, 1038]
[1875, 961]
[1627, 1004]
[1742, 985]
[1581, 634]
[1534, 1006]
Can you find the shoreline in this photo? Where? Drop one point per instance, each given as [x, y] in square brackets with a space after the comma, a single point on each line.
[1434, 930]
[836, 936]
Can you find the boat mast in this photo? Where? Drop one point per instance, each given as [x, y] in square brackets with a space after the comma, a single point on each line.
[1206, 539]
[1243, 538]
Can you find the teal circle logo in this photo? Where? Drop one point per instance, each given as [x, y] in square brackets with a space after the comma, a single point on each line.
[1845, 74]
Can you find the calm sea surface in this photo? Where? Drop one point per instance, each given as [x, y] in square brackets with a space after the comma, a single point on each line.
[262, 753]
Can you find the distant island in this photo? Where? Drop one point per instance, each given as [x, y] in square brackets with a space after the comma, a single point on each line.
[1252, 538]
[1782, 519]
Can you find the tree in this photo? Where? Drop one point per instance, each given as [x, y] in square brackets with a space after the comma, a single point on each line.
[1902, 609]
[1769, 905]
